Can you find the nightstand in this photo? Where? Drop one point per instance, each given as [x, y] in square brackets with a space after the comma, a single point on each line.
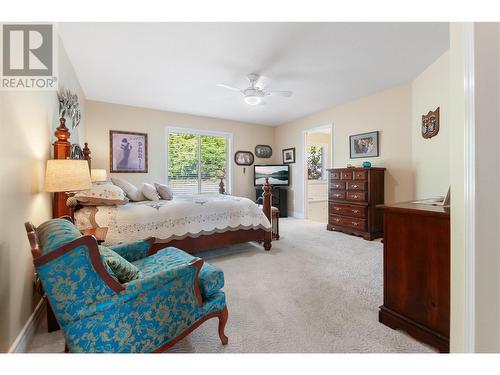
[99, 233]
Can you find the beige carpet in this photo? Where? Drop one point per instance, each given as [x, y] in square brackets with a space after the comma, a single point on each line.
[315, 291]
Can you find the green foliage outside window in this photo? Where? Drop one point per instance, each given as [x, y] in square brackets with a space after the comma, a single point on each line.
[183, 156]
[315, 162]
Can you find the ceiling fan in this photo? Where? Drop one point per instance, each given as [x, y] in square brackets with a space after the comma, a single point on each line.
[255, 93]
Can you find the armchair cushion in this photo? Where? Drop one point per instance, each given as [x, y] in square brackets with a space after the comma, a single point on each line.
[55, 233]
[123, 270]
[211, 278]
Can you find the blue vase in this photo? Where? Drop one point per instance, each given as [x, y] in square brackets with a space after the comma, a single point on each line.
[367, 164]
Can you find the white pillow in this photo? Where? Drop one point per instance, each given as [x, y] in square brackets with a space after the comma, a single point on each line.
[101, 195]
[149, 192]
[164, 191]
[132, 192]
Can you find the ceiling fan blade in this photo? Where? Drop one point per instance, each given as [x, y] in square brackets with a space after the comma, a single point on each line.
[228, 87]
[286, 94]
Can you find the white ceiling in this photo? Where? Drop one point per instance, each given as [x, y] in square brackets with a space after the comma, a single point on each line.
[176, 66]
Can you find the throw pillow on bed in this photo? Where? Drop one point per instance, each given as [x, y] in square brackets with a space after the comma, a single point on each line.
[101, 195]
[150, 192]
[164, 191]
[131, 190]
[121, 268]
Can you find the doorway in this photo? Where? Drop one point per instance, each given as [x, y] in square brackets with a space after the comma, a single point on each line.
[317, 159]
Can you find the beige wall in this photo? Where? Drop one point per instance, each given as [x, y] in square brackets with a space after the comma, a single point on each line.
[102, 117]
[388, 112]
[430, 157]
[487, 111]
[26, 119]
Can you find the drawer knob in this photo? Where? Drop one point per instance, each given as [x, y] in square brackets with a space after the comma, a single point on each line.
[355, 186]
[336, 209]
[355, 211]
[355, 224]
[355, 196]
[337, 220]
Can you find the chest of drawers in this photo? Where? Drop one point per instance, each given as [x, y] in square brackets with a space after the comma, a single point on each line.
[353, 194]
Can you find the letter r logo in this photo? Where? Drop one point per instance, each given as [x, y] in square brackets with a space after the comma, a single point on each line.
[27, 50]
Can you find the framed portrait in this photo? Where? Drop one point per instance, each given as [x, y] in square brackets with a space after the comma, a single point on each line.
[243, 158]
[263, 151]
[128, 152]
[363, 145]
[288, 155]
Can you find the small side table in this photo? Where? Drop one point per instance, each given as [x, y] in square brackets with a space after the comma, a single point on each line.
[99, 233]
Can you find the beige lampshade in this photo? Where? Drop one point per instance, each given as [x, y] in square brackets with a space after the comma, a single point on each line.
[67, 175]
[98, 175]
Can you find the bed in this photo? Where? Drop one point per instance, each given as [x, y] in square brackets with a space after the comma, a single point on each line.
[192, 217]
[193, 224]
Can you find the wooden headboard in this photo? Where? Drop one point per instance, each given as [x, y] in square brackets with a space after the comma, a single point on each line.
[62, 150]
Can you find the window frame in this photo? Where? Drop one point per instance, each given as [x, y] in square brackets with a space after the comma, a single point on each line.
[323, 161]
[200, 132]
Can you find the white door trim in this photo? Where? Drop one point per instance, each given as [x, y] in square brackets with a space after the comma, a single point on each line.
[469, 191]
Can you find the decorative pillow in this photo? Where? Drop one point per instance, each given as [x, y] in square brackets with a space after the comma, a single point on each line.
[122, 269]
[101, 195]
[131, 190]
[150, 192]
[164, 191]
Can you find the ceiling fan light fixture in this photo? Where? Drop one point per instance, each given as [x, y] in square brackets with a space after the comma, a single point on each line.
[252, 99]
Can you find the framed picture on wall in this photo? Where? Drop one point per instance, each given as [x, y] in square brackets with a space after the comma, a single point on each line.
[288, 155]
[128, 152]
[263, 151]
[363, 145]
[243, 158]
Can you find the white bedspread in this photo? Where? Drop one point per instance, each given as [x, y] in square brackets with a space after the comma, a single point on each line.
[175, 219]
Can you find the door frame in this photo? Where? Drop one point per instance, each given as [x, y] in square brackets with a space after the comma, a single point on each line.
[305, 132]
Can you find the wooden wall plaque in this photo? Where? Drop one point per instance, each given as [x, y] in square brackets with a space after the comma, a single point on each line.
[430, 124]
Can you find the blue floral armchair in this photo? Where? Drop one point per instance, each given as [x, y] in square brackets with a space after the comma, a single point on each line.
[173, 294]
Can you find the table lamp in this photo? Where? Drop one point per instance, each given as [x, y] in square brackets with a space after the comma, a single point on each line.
[98, 175]
[66, 176]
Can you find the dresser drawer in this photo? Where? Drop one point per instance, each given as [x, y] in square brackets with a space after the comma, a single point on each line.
[357, 185]
[337, 195]
[360, 175]
[337, 185]
[351, 222]
[335, 175]
[357, 196]
[342, 209]
[346, 175]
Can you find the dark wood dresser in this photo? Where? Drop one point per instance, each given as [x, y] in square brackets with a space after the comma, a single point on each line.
[353, 194]
[417, 272]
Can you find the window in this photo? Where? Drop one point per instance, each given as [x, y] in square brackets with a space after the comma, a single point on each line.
[316, 169]
[197, 160]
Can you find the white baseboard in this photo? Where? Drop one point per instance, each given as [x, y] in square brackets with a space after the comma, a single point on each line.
[297, 215]
[22, 340]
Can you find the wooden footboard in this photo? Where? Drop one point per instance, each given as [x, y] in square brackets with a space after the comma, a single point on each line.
[212, 241]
